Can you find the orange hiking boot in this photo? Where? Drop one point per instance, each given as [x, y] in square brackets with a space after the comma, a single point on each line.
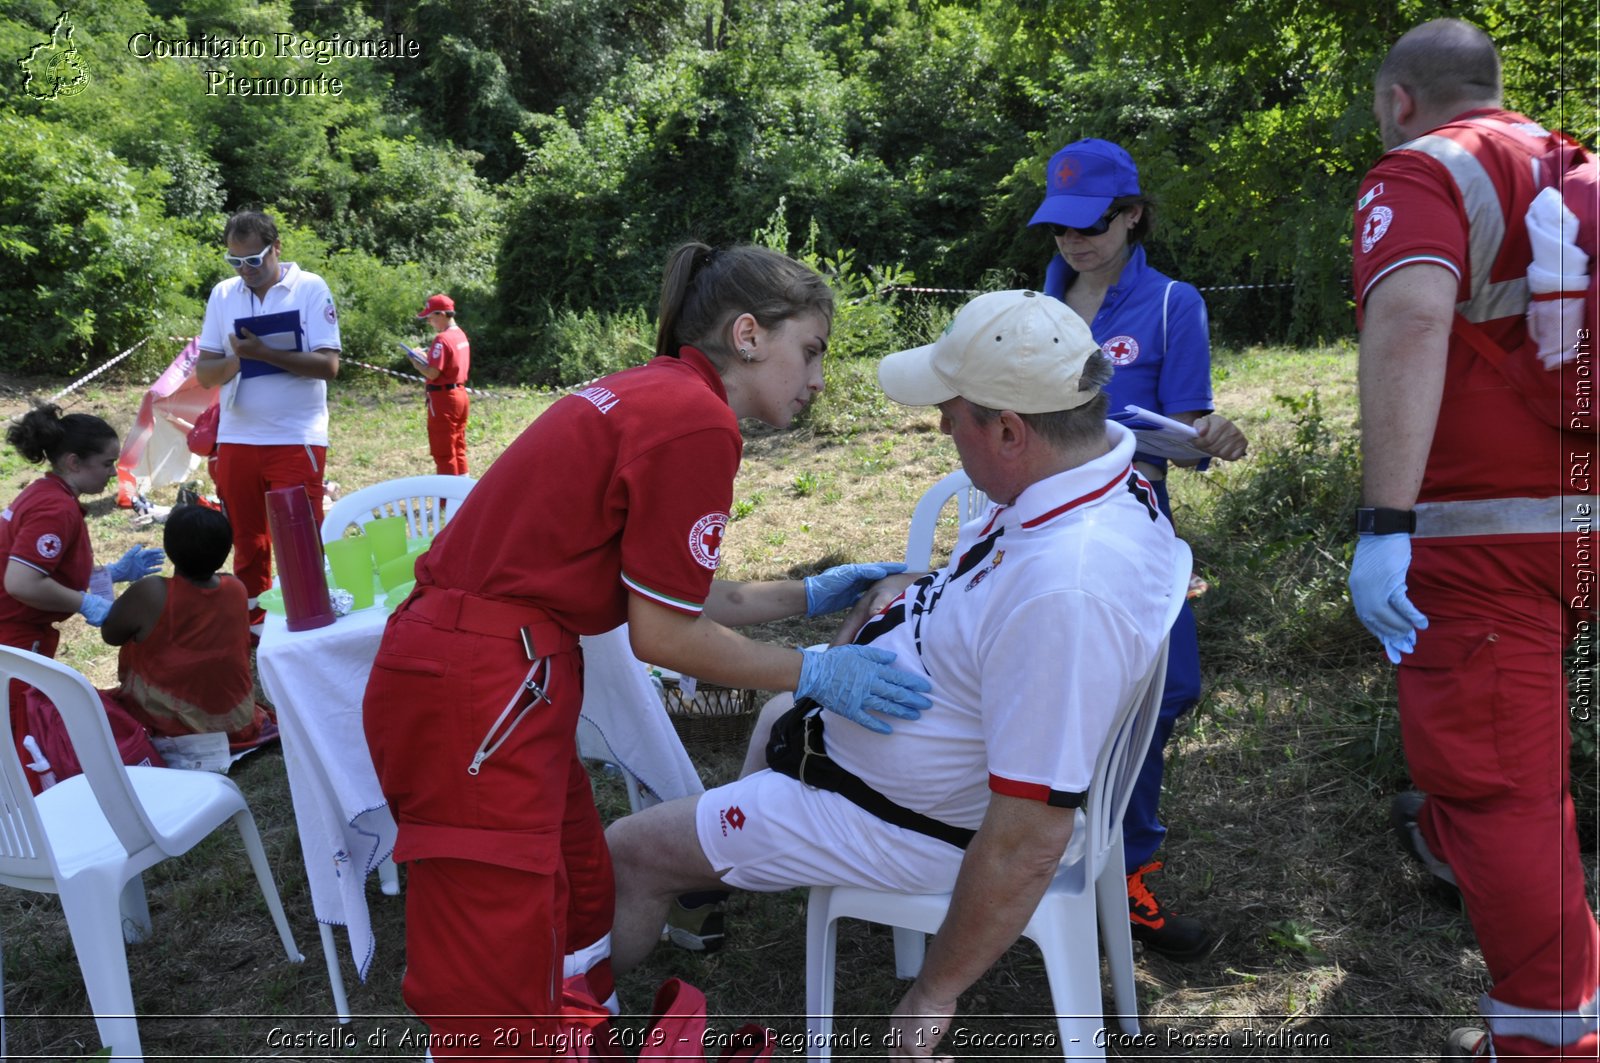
[1177, 937]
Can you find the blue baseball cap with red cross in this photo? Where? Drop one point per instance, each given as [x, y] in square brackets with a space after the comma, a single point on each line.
[1082, 180]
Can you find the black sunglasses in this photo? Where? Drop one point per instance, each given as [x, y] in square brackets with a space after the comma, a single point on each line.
[1099, 228]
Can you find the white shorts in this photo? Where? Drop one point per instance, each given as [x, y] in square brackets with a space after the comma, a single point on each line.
[768, 832]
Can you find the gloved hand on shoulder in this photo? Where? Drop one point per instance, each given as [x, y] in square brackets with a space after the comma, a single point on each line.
[839, 587]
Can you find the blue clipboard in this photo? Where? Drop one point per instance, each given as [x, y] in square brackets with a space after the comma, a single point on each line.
[280, 331]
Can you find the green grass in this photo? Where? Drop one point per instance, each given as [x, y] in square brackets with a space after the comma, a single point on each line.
[1276, 794]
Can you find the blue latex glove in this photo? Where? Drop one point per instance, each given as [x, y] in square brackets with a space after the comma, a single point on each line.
[855, 681]
[840, 586]
[94, 608]
[137, 563]
[1378, 590]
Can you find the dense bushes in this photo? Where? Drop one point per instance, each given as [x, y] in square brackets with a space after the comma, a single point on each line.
[90, 259]
[1274, 539]
[539, 160]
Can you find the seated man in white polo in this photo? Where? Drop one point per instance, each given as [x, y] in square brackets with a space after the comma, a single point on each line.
[1034, 636]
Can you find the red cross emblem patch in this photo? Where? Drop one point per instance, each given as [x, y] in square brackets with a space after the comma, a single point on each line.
[705, 540]
[1120, 349]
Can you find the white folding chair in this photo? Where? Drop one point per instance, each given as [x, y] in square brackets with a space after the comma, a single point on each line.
[919, 538]
[1089, 890]
[420, 499]
[90, 837]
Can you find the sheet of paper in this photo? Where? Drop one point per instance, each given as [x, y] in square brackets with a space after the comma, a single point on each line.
[1158, 435]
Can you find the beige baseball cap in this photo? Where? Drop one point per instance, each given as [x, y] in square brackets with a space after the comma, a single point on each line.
[1019, 350]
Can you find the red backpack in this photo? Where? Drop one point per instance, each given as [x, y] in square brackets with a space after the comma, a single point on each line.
[56, 760]
[1562, 396]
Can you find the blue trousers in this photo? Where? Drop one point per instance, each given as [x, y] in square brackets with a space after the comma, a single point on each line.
[1141, 826]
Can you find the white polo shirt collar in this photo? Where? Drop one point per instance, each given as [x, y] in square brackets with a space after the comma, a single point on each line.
[1055, 496]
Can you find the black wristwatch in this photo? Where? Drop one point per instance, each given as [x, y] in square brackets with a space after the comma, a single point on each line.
[1371, 521]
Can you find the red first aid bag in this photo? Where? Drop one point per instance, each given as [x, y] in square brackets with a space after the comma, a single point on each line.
[49, 732]
[202, 438]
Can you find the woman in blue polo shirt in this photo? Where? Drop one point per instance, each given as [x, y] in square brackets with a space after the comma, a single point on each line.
[1154, 330]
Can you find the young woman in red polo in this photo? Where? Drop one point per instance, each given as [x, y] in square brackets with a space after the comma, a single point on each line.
[45, 539]
[610, 508]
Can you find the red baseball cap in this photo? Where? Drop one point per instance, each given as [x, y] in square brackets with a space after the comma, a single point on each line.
[438, 304]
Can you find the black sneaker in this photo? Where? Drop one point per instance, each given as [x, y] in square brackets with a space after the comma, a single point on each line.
[1465, 1043]
[1403, 813]
[1177, 937]
[698, 929]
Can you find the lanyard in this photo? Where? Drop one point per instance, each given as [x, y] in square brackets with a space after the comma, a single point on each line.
[530, 685]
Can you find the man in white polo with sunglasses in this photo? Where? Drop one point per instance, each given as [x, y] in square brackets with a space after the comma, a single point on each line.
[271, 342]
[1033, 636]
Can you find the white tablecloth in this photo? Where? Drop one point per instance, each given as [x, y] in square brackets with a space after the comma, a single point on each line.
[316, 679]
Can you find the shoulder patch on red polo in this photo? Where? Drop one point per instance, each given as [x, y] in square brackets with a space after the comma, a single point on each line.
[705, 540]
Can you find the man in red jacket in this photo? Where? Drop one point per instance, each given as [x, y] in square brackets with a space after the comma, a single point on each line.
[1456, 466]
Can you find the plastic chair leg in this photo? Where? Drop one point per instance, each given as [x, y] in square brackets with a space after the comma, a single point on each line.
[94, 919]
[269, 889]
[821, 940]
[1072, 966]
[1116, 937]
[388, 877]
[910, 946]
[136, 926]
[330, 952]
[635, 799]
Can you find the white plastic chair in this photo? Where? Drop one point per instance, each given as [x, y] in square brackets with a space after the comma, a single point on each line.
[419, 499]
[1063, 925]
[90, 837]
[422, 501]
[919, 538]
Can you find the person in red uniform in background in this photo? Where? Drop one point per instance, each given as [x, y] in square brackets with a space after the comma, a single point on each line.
[610, 507]
[49, 560]
[445, 367]
[1464, 539]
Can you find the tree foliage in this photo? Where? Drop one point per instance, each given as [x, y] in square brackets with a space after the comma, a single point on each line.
[539, 160]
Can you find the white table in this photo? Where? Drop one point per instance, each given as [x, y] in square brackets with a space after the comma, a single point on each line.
[316, 680]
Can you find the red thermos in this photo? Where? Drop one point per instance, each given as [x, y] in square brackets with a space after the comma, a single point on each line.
[297, 551]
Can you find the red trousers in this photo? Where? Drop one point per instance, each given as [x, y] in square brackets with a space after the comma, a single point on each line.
[243, 475]
[447, 430]
[508, 867]
[1484, 718]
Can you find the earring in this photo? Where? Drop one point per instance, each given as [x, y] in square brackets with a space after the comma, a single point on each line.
[744, 352]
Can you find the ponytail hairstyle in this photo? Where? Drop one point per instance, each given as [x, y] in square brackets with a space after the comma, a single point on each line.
[705, 290]
[44, 434]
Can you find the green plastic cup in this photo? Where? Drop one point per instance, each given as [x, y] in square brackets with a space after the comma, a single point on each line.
[392, 573]
[351, 561]
[388, 538]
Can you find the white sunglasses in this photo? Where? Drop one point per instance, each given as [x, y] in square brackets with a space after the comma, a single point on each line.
[253, 261]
